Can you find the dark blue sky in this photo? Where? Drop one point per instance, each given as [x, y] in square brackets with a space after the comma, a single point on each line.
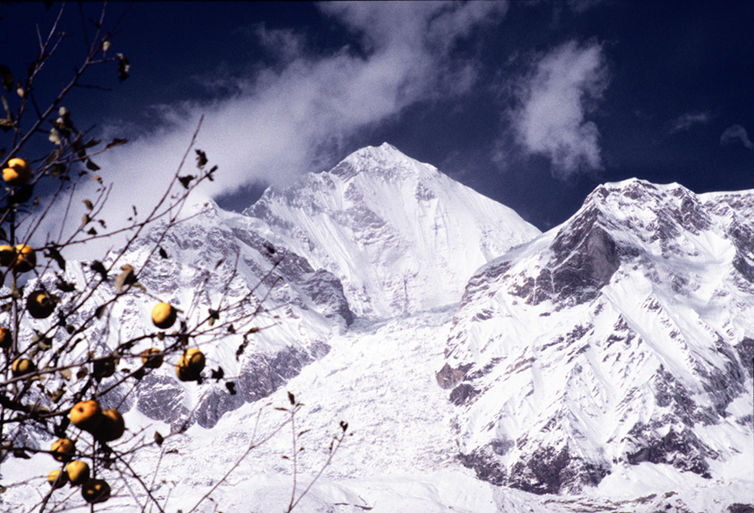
[530, 103]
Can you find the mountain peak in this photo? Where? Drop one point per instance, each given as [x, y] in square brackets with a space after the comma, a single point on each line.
[384, 153]
[384, 160]
[402, 236]
[614, 339]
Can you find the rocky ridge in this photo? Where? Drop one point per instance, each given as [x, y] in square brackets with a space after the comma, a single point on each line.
[622, 336]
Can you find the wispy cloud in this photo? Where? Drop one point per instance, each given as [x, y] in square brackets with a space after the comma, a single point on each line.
[688, 120]
[736, 133]
[554, 101]
[282, 120]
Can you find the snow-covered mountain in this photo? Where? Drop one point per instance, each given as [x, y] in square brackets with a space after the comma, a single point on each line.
[607, 360]
[401, 236]
[621, 337]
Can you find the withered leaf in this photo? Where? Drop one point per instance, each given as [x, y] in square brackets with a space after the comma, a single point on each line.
[99, 268]
[53, 253]
[186, 180]
[201, 159]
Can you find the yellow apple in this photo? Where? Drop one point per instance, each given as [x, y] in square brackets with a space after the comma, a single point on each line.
[164, 315]
[6, 338]
[7, 255]
[190, 365]
[63, 449]
[152, 358]
[25, 259]
[112, 426]
[56, 482]
[17, 173]
[95, 491]
[40, 304]
[22, 366]
[86, 415]
[78, 472]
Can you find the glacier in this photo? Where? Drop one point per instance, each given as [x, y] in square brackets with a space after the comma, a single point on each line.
[482, 366]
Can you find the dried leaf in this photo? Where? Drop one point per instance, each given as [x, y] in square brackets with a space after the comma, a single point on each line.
[53, 253]
[116, 142]
[54, 137]
[89, 204]
[127, 277]
[7, 77]
[57, 395]
[124, 67]
[214, 315]
[163, 253]
[65, 286]
[185, 180]
[218, 373]
[158, 438]
[201, 159]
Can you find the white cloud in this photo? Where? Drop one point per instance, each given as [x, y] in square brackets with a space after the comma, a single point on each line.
[736, 133]
[277, 122]
[554, 102]
[688, 120]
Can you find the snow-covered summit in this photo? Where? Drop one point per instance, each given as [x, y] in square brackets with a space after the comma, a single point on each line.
[622, 336]
[402, 236]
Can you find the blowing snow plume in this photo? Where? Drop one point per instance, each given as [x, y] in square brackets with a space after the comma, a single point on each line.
[281, 120]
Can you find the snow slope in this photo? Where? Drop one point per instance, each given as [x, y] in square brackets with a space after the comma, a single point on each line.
[599, 365]
[620, 338]
[400, 235]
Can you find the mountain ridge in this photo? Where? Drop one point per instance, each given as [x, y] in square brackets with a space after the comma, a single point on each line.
[387, 225]
[524, 371]
[637, 265]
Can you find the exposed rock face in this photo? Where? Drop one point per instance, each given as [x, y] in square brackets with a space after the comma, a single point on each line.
[162, 398]
[614, 339]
